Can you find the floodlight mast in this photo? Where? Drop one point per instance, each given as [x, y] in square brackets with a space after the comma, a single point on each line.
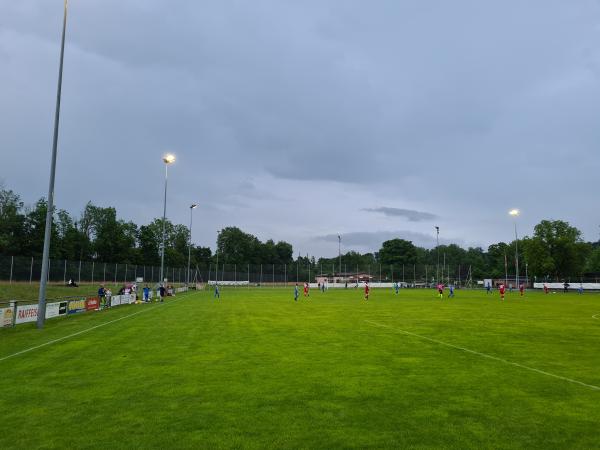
[41, 316]
[515, 213]
[167, 159]
[192, 207]
[437, 270]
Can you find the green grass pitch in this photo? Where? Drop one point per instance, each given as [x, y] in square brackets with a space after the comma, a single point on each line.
[258, 370]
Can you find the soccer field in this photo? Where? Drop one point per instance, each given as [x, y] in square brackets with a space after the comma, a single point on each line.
[258, 370]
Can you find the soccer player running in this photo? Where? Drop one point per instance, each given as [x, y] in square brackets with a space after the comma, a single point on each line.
[440, 288]
[502, 290]
[522, 289]
[217, 292]
[161, 292]
[296, 293]
[451, 295]
[306, 293]
[367, 290]
[396, 287]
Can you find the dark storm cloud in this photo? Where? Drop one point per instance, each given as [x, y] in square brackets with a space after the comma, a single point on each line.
[287, 118]
[410, 214]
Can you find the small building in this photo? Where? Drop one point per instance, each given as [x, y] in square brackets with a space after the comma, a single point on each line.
[343, 278]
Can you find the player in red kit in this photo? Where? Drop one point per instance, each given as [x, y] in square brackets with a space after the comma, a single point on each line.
[440, 288]
[306, 294]
[522, 289]
[502, 290]
[367, 290]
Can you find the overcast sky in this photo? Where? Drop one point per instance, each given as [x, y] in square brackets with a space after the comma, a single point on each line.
[302, 120]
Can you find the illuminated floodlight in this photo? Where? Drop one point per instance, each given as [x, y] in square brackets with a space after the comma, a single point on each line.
[514, 212]
[169, 158]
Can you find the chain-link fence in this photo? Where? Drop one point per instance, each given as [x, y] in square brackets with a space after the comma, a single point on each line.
[28, 269]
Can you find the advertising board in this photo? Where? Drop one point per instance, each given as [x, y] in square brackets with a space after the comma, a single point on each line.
[6, 317]
[92, 303]
[76, 306]
[26, 313]
[56, 309]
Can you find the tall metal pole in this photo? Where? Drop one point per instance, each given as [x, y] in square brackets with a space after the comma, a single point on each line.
[516, 254]
[339, 253]
[162, 245]
[437, 269]
[167, 159]
[47, 232]
[190, 244]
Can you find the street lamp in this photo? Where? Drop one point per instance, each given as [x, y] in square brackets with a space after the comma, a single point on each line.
[515, 213]
[48, 231]
[167, 159]
[192, 207]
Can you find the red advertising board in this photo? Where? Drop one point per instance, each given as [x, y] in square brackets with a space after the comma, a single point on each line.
[92, 303]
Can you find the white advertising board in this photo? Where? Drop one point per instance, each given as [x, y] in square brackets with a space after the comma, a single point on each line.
[26, 313]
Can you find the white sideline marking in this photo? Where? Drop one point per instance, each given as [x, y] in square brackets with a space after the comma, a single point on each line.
[484, 355]
[595, 316]
[27, 350]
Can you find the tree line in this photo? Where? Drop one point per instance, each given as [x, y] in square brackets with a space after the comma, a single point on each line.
[555, 250]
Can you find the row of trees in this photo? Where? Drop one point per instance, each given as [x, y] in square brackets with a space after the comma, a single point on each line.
[556, 249]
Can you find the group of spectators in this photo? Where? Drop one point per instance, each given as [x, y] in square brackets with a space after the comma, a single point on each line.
[105, 294]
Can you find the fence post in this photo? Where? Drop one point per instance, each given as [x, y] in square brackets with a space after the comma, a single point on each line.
[285, 274]
[13, 305]
[273, 275]
[65, 273]
[12, 258]
[93, 266]
[260, 282]
[248, 276]
[144, 274]
[31, 271]
[235, 275]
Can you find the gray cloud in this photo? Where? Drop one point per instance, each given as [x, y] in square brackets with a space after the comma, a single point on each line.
[410, 214]
[325, 107]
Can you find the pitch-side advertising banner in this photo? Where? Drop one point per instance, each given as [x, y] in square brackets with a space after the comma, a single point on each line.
[92, 303]
[6, 317]
[26, 313]
[76, 306]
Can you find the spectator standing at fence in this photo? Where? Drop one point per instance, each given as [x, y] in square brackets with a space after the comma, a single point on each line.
[161, 293]
[101, 295]
[146, 292]
[108, 294]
